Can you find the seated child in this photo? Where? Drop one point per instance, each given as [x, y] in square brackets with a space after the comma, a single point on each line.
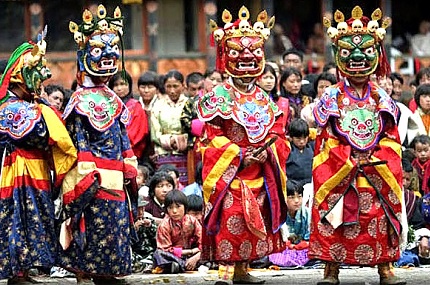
[295, 231]
[150, 213]
[179, 236]
[160, 184]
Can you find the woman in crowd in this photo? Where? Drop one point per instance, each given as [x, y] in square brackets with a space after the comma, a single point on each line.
[290, 84]
[166, 130]
[406, 122]
[213, 78]
[268, 82]
[138, 128]
[323, 80]
[149, 89]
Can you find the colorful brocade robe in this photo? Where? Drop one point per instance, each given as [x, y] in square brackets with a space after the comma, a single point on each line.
[36, 153]
[244, 207]
[357, 176]
[96, 238]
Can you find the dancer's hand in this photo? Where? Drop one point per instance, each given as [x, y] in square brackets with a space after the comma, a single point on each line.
[261, 157]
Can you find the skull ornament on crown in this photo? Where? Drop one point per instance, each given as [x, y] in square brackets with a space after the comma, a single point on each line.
[98, 38]
[240, 45]
[357, 43]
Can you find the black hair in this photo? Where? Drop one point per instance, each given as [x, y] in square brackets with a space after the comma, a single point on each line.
[161, 80]
[50, 88]
[310, 77]
[145, 171]
[421, 73]
[396, 76]
[149, 166]
[422, 139]
[198, 175]
[67, 94]
[274, 91]
[293, 51]
[74, 85]
[329, 65]
[194, 77]
[422, 89]
[287, 72]
[169, 167]
[408, 154]
[195, 203]
[3, 64]
[119, 76]
[158, 177]
[209, 72]
[324, 76]
[298, 128]
[176, 197]
[295, 187]
[407, 165]
[308, 90]
[413, 82]
[149, 78]
[173, 73]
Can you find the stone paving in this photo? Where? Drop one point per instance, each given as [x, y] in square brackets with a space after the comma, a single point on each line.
[349, 276]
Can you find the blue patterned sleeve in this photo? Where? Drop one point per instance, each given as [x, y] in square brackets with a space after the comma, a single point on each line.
[78, 133]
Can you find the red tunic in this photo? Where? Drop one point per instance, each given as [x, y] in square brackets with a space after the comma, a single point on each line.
[244, 208]
[138, 128]
[356, 215]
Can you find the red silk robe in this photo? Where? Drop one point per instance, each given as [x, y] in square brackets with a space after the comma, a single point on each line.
[244, 207]
[356, 215]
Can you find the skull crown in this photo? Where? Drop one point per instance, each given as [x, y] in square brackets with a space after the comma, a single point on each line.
[358, 24]
[242, 27]
[99, 23]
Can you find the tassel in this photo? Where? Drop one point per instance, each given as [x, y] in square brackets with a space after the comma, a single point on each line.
[384, 67]
[123, 71]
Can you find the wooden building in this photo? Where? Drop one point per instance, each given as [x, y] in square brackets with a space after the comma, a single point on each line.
[165, 34]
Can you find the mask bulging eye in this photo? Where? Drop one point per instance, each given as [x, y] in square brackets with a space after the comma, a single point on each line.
[115, 49]
[233, 53]
[96, 52]
[345, 52]
[370, 51]
[258, 52]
